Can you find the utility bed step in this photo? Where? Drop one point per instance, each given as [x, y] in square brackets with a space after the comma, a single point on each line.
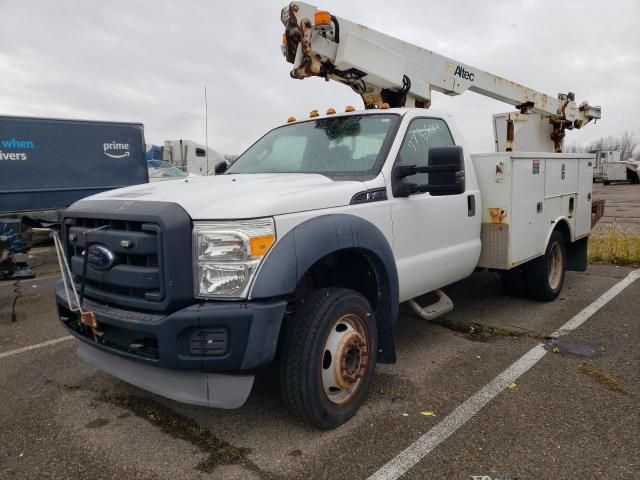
[441, 306]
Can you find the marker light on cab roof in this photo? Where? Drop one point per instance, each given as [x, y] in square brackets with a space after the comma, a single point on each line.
[322, 18]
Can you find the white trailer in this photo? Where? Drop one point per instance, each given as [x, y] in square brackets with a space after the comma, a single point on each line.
[614, 172]
[191, 157]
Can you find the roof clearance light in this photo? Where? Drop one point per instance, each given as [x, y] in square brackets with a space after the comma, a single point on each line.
[314, 113]
[322, 18]
[349, 108]
[384, 106]
[291, 119]
[330, 111]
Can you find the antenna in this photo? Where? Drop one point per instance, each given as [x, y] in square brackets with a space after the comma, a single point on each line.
[206, 128]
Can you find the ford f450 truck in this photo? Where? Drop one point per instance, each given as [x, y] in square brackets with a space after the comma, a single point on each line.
[301, 252]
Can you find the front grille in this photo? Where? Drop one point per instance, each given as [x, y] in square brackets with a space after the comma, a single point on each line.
[154, 273]
[135, 274]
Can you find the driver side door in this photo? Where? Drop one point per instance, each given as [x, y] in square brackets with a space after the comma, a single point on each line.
[435, 238]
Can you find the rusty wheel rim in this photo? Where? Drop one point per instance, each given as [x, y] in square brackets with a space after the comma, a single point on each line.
[555, 266]
[345, 359]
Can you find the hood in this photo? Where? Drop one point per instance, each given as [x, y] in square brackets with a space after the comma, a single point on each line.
[243, 196]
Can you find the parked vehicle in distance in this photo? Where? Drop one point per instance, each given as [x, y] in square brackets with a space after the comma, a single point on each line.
[160, 171]
[48, 163]
[610, 168]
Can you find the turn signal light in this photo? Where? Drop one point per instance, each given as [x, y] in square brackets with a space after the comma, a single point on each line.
[314, 113]
[258, 246]
[322, 18]
[284, 39]
[349, 108]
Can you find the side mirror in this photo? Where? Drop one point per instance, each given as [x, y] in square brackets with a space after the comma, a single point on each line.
[446, 174]
[200, 152]
[220, 167]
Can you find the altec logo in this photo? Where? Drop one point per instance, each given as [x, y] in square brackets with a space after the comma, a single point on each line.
[15, 144]
[116, 150]
[462, 73]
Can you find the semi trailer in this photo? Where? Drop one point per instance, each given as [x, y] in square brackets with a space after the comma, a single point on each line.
[47, 164]
[302, 250]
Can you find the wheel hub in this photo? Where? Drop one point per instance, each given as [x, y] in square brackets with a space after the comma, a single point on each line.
[352, 360]
[345, 359]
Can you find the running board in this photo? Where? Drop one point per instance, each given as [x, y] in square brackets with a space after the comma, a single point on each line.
[443, 305]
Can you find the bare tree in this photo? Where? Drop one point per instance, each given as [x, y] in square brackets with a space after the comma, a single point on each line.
[626, 143]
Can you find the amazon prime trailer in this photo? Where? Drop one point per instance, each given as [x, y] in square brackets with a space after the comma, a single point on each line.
[47, 164]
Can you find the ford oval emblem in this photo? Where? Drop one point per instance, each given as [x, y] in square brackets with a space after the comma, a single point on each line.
[100, 258]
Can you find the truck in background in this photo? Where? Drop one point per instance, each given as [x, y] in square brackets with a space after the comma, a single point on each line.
[187, 155]
[609, 167]
[47, 164]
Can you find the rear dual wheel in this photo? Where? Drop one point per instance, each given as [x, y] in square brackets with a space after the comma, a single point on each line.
[328, 357]
[542, 278]
[545, 275]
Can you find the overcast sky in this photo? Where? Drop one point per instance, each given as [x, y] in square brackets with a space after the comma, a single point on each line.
[147, 61]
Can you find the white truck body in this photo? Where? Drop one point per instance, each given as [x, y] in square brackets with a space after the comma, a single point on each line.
[303, 249]
[449, 252]
[523, 194]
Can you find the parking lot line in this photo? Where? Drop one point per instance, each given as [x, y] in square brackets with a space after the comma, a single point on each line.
[413, 454]
[17, 351]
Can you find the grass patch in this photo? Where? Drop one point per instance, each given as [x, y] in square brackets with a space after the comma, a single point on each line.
[184, 428]
[618, 248]
[602, 377]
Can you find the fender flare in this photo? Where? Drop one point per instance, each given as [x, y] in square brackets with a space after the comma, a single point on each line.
[295, 253]
[554, 225]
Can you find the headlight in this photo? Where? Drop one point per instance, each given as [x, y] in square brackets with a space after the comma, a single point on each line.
[228, 254]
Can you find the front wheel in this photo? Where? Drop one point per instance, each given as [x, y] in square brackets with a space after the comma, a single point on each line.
[545, 275]
[328, 357]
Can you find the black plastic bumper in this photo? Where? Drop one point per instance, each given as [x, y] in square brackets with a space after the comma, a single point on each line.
[242, 335]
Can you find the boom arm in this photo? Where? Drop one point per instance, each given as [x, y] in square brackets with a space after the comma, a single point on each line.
[383, 69]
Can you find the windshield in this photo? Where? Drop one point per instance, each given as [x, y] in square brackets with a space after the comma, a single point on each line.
[160, 169]
[347, 146]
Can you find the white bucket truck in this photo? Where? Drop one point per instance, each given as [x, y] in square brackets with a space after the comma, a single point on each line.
[302, 251]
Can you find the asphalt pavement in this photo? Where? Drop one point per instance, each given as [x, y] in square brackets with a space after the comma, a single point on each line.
[574, 414]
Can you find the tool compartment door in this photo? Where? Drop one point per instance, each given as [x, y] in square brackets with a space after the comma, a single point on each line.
[583, 201]
[527, 219]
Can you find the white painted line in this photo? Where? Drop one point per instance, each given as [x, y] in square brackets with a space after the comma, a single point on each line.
[413, 454]
[17, 351]
[605, 298]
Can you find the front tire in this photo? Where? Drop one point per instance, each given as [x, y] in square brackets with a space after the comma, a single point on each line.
[328, 357]
[545, 275]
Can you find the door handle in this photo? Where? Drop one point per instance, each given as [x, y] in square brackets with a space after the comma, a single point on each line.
[471, 205]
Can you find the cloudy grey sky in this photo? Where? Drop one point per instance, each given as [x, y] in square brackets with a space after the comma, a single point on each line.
[147, 61]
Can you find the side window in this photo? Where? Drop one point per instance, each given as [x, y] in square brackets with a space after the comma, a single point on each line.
[423, 134]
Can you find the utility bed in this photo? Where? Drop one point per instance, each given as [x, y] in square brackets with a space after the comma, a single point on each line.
[523, 195]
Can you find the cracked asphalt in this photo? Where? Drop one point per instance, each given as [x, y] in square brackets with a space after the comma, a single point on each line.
[575, 414]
